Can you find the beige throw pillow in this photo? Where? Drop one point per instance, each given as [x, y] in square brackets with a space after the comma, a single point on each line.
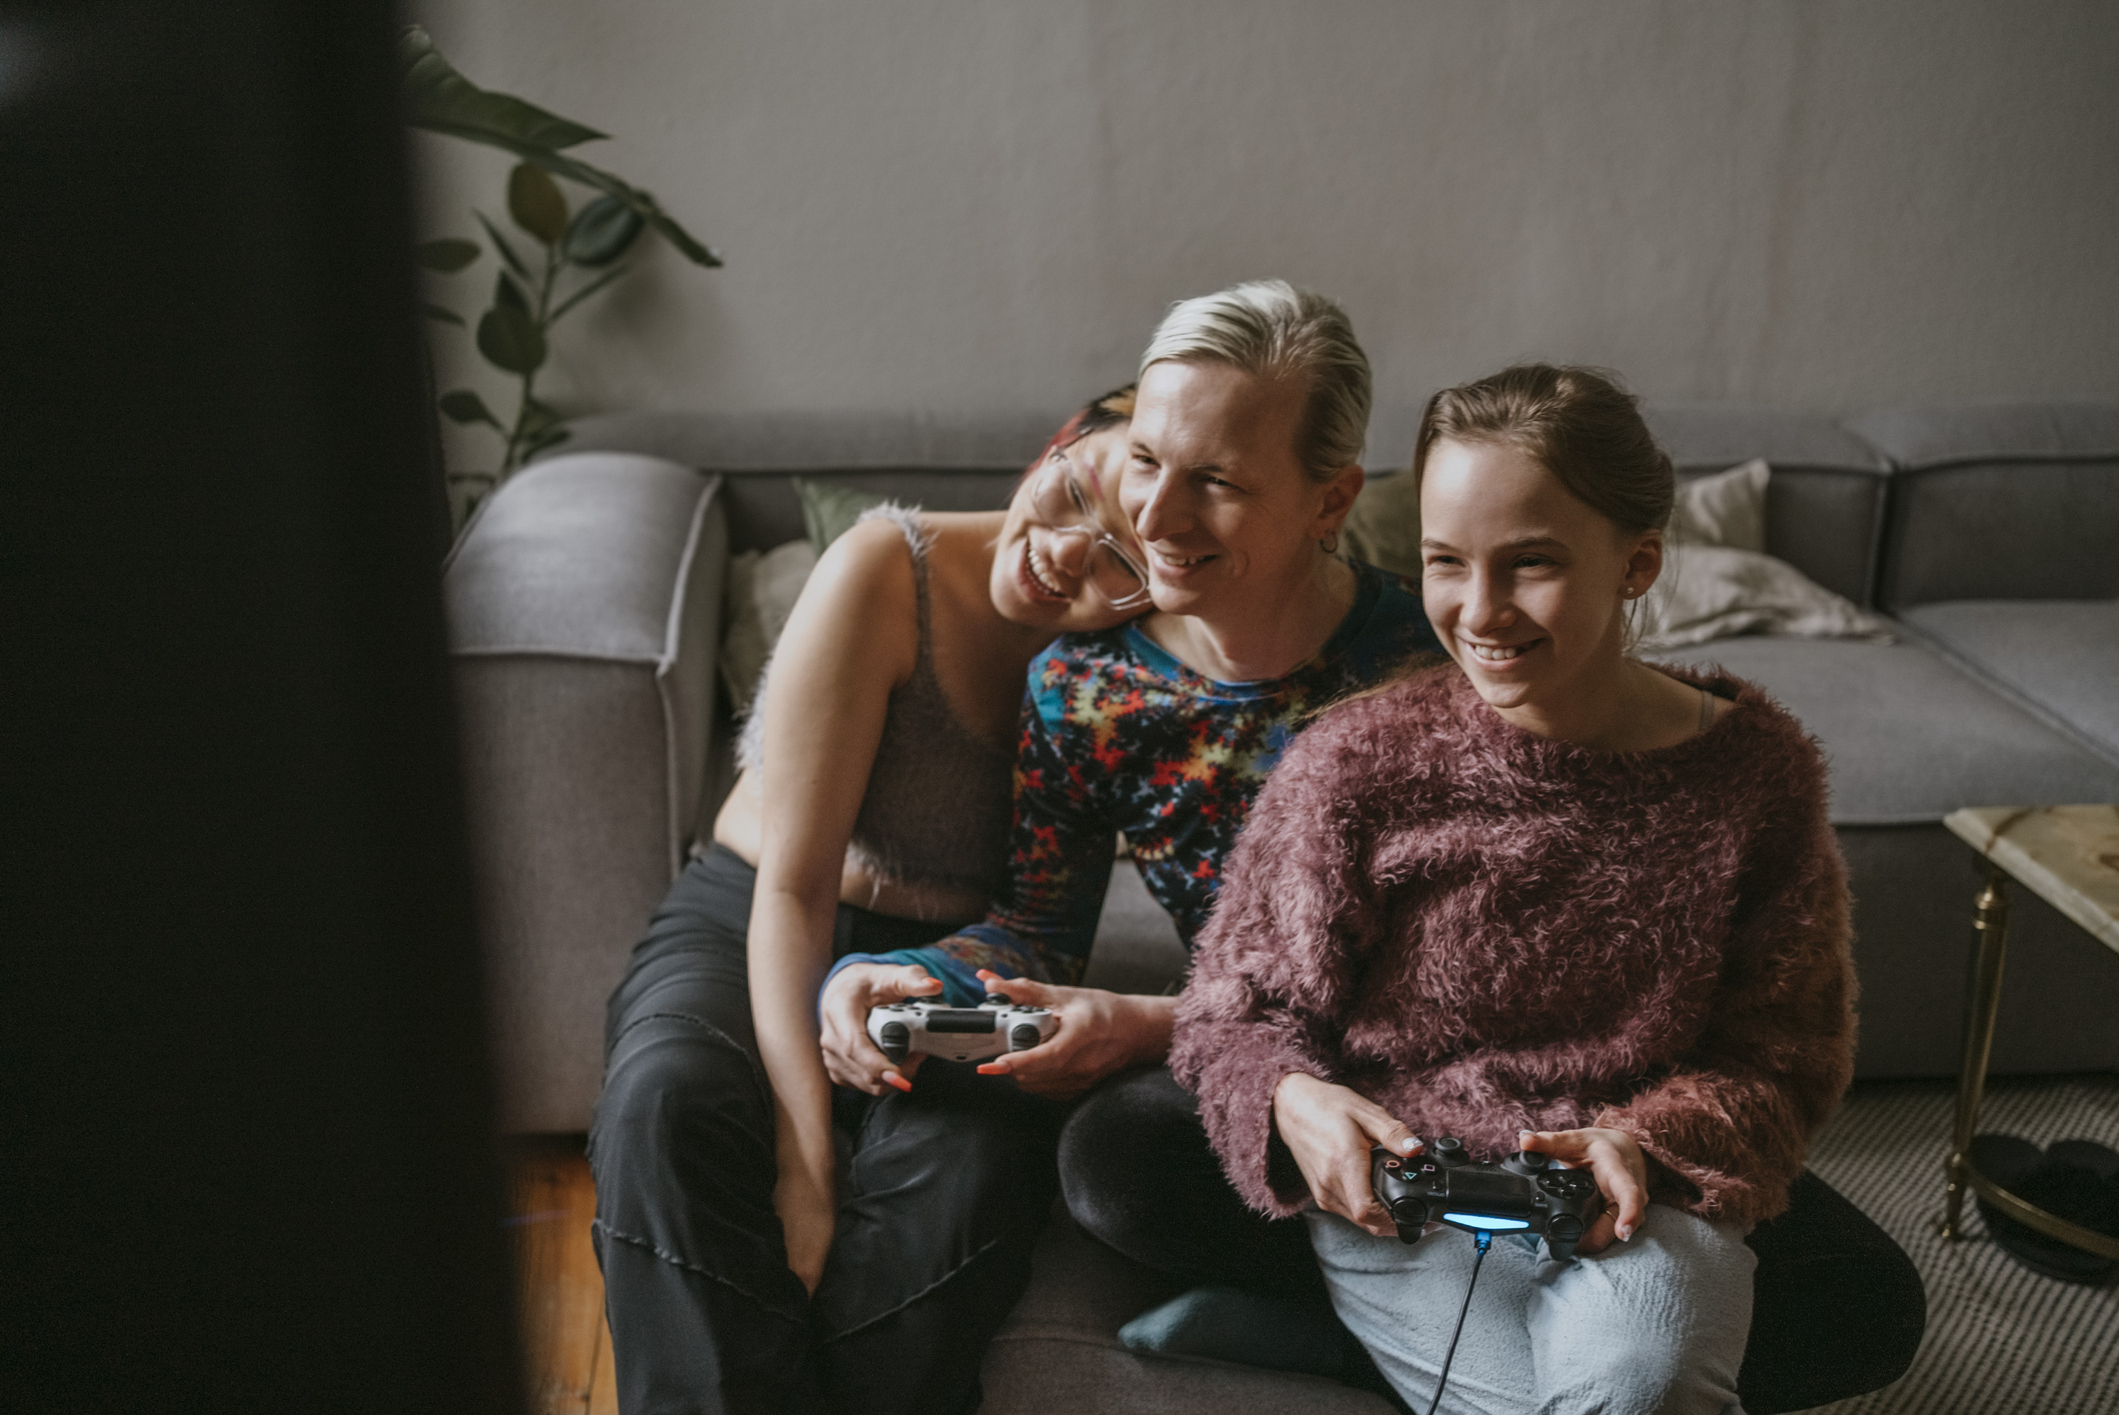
[761, 591]
[1718, 591]
[1718, 582]
[1727, 508]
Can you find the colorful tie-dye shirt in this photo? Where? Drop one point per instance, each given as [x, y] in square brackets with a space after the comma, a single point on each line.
[1118, 737]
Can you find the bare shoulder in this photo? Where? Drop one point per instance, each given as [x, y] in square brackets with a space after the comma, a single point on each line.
[859, 602]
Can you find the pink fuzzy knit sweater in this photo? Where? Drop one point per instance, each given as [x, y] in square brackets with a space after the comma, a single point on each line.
[1485, 931]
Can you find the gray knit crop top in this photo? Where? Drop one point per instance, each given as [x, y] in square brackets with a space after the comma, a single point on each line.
[938, 804]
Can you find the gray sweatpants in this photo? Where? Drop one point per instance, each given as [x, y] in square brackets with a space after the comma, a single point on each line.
[1655, 1326]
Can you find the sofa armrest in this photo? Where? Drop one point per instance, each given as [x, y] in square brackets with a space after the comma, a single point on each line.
[584, 605]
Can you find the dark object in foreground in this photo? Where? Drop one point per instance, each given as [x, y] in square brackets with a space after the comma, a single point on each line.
[249, 1160]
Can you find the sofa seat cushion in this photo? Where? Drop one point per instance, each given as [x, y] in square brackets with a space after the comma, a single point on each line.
[1909, 736]
[1059, 1352]
[2059, 657]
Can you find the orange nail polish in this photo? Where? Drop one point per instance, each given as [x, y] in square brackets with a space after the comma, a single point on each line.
[988, 1068]
[896, 1080]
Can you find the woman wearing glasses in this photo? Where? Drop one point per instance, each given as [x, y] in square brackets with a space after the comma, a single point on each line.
[871, 816]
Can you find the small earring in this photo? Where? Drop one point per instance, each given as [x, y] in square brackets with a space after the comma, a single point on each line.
[1330, 546]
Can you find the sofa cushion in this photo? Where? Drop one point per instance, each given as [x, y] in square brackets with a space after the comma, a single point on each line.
[943, 464]
[1909, 736]
[2060, 658]
[1137, 949]
[584, 604]
[2002, 502]
[1824, 500]
[1059, 1351]
[578, 555]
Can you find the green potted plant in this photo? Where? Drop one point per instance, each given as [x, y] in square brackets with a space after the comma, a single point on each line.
[563, 254]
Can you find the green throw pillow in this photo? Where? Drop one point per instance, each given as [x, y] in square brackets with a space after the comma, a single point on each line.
[1384, 526]
[829, 512]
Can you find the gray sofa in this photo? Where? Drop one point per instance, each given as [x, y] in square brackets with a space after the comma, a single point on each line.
[586, 598]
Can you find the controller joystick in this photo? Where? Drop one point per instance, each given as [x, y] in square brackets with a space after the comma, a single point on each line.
[1529, 1163]
[901, 1029]
[1521, 1194]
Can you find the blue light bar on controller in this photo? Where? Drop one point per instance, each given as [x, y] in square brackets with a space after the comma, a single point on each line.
[1485, 1221]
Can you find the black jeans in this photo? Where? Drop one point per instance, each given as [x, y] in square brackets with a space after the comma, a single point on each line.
[1838, 1306]
[942, 1194]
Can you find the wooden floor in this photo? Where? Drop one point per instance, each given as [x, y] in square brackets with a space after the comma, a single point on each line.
[568, 1347]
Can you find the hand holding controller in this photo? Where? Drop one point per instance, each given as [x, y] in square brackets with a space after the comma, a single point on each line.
[901, 1029]
[1521, 1194]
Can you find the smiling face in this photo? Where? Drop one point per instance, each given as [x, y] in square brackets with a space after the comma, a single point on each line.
[1040, 573]
[1215, 489]
[1525, 583]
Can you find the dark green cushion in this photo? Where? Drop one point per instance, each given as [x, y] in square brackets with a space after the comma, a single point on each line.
[829, 512]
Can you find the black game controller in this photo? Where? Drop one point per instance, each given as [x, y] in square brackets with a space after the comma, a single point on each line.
[1525, 1193]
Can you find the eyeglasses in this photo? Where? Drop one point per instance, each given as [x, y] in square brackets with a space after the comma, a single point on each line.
[1058, 500]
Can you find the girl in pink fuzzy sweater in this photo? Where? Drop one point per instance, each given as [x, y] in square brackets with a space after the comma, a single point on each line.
[1545, 896]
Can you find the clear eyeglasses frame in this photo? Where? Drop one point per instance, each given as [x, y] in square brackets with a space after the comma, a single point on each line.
[1062, 506]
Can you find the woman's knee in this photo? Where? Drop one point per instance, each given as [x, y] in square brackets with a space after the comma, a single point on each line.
[1133, 1158]
[1658, 1325]
[677, 1091]
[1135, 1124]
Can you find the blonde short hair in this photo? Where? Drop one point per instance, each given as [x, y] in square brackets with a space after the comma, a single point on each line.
[1274, 330]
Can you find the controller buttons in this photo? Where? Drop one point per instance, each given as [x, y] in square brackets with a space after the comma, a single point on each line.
[1449, 1150]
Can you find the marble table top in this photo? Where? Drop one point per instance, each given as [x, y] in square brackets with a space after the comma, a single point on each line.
[2067, 855]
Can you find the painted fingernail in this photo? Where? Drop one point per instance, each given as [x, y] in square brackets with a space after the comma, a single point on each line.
[1408, 1144]
[896, 1080]
[992, 1068]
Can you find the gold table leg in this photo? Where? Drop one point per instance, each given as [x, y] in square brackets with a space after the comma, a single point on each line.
[1990, 926]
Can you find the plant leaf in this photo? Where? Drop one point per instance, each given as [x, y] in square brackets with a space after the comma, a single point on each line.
[437, 313]
[510, 340]
[574, 170]
[507, 252]
[536, 203]
[601, 232]
[447, 255]
[507, 292]
[585, 291]
[440, 100]
[464, 406]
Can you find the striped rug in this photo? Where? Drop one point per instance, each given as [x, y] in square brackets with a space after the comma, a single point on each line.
[2000, 1338]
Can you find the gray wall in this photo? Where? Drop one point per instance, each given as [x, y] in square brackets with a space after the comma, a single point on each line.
[955, 204]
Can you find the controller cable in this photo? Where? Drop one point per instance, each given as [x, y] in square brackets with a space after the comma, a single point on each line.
[1485, 1241]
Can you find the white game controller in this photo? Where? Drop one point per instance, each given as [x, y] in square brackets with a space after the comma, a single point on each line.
[901, 1029]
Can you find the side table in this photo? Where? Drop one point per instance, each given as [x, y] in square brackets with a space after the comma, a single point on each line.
[2069, 857]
